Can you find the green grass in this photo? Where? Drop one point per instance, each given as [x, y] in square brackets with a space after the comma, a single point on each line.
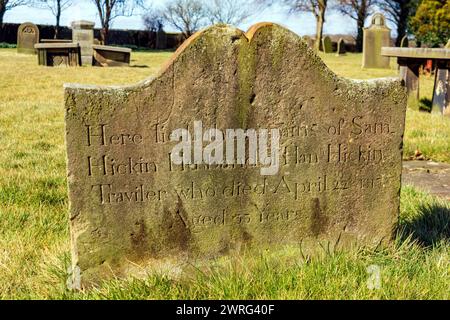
[34, 237]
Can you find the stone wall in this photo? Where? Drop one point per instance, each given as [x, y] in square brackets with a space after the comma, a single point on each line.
[131, 38]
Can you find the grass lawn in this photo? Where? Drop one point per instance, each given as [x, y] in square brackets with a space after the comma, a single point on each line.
[34, 235]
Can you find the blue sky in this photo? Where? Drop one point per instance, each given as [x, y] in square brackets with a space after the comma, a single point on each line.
[303, 23]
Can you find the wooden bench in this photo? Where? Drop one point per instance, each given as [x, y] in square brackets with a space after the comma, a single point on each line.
[410, 60]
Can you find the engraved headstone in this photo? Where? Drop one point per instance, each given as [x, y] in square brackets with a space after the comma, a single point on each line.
[152, 187]
[341, 47]
[27, 37]
[327, 45]
[83, 34]
[375, 37]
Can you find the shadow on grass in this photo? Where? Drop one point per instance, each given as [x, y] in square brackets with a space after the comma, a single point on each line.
[425, 104]
[430, 227]
[139, 66]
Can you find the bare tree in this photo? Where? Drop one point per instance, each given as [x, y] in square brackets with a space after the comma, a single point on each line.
[316, 7]
[399, 12]
[187, 16]
[153, 20]
[108, 10]
[6, 5]
[227, 11]
[358, 10]
[56, 7]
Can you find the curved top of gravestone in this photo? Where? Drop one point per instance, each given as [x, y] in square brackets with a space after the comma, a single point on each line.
[82, 24]
[378, 20]
[236, 54]
[28, 27]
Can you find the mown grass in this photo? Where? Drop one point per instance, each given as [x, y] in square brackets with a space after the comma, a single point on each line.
[34, 237]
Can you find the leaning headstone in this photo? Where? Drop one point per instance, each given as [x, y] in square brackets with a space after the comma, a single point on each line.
[83, 34]
[27, 37]
[341, 47]
[152, 187]
[108, 56]
[327, 45]
[405, 42]
[378, 35]
[447, 46]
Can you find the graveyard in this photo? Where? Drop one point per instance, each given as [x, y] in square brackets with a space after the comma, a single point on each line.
[35, 238]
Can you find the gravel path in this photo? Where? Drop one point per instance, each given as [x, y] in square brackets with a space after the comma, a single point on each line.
[431, 177]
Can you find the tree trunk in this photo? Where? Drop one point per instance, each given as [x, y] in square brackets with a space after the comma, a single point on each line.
[360, 36]
[104, 35]
[105, 24]
[402, 23]
[362, 14]
[58, 19]
[320, 20]
[2, 14]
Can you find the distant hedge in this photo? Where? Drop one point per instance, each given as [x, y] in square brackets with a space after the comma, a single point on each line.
[126, 38]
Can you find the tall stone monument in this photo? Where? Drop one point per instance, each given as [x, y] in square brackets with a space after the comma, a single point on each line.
[376, 36]
[176, 170]
[83, 34]
[27, 37]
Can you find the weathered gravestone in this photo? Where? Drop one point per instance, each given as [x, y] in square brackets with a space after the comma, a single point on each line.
[375, 37]
[141, 201]
[27, 37]
[327, 45]
[83, 34]
[341, 47]
[405, 42]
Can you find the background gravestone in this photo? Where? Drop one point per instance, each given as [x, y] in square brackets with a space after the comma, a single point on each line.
[341, 47]
[27, 37]
[448, 44]
[327, 45]
[405, 42]
[83, 34]
[132, 210]
[309, 41]
[378, 35]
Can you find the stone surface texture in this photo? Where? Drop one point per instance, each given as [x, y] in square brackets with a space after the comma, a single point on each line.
[132, 210]
[83, 34]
